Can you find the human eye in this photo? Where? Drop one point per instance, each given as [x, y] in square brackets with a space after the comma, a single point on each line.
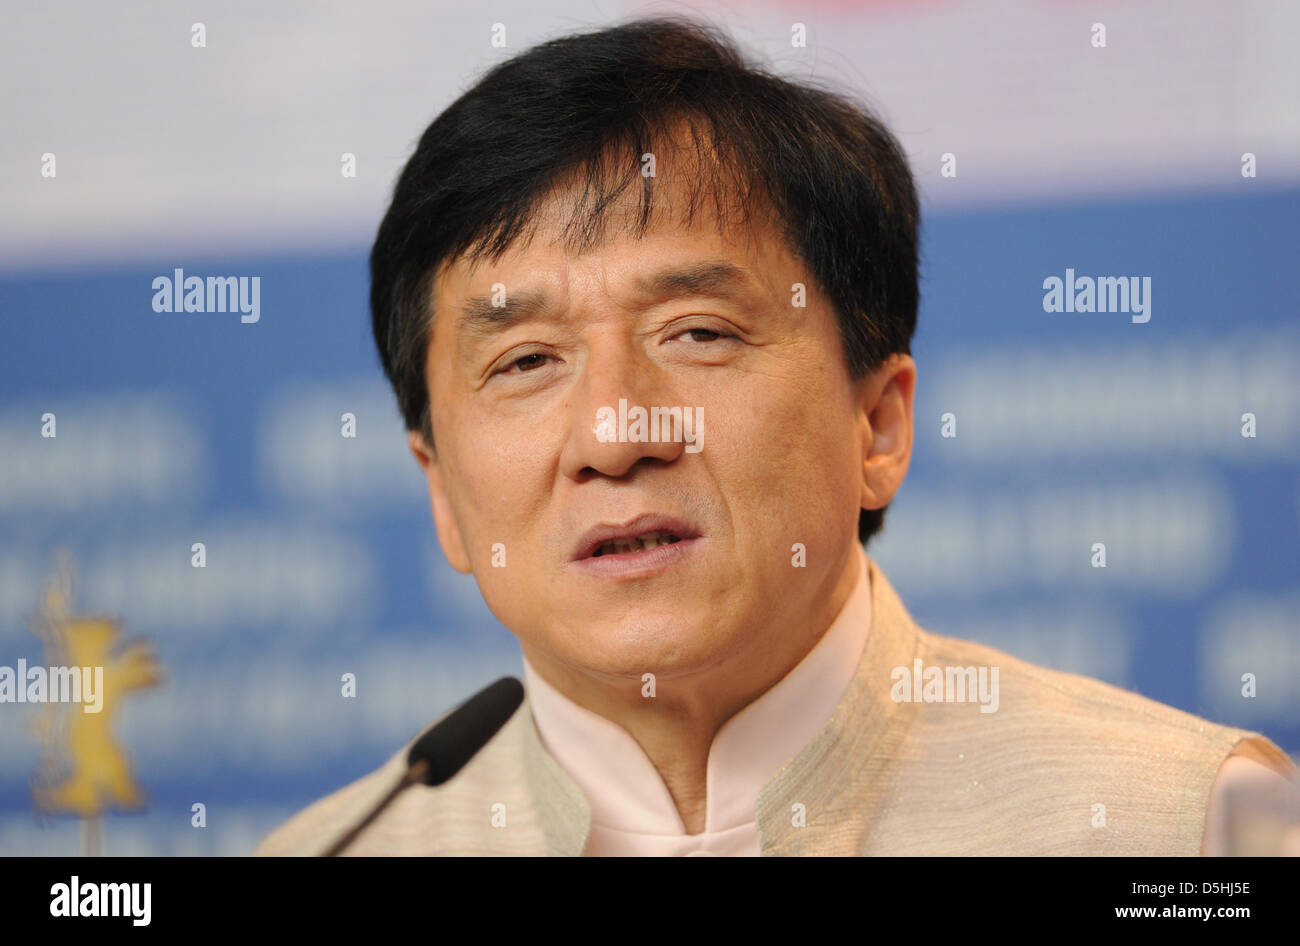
[702, 333]
[517, 364]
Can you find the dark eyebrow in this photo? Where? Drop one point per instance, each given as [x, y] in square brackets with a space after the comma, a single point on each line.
[481, 318]
[700, 279]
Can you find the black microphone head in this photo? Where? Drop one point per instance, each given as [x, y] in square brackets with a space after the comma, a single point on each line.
[450, 744]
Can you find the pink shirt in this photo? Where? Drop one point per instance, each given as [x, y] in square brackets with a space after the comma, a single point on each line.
[632, 812]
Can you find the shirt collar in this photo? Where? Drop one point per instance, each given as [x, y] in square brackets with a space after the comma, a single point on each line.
[625, 792]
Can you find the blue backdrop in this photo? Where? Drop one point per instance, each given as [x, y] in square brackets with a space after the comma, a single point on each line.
[1071, 429]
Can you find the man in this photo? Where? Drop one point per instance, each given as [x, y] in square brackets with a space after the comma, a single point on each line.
[647, 312]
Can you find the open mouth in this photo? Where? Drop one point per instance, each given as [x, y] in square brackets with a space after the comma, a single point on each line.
[644, 538]
[648, 540]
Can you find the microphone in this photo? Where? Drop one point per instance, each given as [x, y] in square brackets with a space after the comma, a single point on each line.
[448, 745]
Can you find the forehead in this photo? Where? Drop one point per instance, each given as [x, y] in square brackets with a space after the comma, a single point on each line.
[688, 209]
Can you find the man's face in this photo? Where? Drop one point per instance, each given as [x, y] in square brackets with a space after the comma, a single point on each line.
[535, 491]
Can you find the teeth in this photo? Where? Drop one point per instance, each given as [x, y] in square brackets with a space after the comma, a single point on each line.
[651, 540]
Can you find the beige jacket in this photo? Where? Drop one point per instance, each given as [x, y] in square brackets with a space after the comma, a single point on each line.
[1066, 765]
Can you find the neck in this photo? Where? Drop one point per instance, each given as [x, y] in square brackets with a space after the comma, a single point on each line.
[676, 729]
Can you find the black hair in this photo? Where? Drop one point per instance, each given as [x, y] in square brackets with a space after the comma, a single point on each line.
[584, 109]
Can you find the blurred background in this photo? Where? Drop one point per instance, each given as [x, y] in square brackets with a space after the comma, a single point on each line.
[229, 158]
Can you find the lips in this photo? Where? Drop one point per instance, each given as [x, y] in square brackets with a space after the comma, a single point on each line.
[644, 532]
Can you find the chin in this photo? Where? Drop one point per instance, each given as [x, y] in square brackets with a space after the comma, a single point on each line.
[669, 648]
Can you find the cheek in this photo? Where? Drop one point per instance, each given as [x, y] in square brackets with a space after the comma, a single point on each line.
[786, 452]
[499, 479]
